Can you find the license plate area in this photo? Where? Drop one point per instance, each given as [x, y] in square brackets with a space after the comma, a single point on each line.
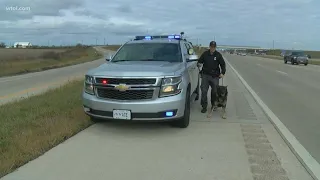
[122, 114]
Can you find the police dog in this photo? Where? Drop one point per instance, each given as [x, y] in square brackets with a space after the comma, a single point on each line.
[221, 100]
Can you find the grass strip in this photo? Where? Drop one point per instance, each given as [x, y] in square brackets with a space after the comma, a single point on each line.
[16, 67]
[32, 126]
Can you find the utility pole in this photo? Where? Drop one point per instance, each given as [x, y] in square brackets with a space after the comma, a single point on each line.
[96, 41]
[104, 41]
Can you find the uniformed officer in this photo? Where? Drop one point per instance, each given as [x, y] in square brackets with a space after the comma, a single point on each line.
[214, 68]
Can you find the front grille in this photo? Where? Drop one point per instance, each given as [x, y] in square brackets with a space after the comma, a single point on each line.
[125, 95]
[126, 81]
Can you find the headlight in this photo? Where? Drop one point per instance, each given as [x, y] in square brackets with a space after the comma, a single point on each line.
[88, 85]
[294, 57]
[170, 86]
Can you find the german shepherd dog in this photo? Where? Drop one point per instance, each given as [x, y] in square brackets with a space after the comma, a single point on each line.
[221, 100]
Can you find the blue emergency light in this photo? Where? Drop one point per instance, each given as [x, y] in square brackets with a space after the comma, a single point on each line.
[169, 113]
[177, 37]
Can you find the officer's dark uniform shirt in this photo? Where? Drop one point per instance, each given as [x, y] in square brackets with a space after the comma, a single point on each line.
[211, 63]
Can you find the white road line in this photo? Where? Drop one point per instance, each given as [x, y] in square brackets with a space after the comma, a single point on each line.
[281, 72]
[311, 165]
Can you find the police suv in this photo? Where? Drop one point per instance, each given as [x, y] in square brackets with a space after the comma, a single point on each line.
[148, 78]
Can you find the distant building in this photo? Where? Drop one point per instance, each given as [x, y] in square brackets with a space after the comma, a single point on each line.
[22, 44]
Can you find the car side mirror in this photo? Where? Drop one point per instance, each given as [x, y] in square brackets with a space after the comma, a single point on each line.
[109, 58]
[190, 51]
[192, 58]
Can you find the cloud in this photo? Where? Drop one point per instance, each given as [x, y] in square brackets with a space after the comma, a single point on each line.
[125, 8]
[35, 8]
[246, 22]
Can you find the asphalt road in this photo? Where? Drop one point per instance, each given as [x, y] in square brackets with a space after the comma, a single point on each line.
[292, 92]
[21, 86]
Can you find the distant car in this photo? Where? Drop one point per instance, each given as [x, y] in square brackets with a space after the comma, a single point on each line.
[296, 57]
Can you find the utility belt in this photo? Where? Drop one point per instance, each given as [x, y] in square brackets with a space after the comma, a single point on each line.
[213, 73]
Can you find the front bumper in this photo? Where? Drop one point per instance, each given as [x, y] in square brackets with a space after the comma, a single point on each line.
[154, 110]
[301, 61]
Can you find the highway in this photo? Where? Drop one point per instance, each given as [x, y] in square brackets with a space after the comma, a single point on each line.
[15, 87]
[292, 92]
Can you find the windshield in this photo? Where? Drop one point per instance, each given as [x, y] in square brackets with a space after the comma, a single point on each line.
[149, 52]
[298, 53]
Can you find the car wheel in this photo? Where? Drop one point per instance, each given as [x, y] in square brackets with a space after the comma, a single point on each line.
[285, 62]
[185, 120]
[292, 62]
[306, 64]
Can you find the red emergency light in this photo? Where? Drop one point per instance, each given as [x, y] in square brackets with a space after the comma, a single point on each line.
[104, 81]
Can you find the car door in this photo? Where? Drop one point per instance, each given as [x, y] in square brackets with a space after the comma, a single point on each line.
[188, 64]
[194, 73]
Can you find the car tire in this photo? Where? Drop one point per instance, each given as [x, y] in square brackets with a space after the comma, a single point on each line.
[185, 120]
[306, 64]
[292, 62]
[285, 62]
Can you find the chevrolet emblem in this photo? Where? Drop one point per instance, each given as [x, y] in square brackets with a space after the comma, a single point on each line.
[122, 87]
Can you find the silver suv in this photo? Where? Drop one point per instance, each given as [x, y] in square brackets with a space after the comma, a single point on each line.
[149, 78]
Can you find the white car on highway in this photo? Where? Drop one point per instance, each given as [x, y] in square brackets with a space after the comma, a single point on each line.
[149, 78]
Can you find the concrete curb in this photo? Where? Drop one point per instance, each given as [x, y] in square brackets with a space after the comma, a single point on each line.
[310, 164]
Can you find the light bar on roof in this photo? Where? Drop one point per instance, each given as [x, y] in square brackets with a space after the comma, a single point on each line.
[147, 37]
[178, 37]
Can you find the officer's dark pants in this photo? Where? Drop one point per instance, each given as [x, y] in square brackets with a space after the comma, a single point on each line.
[207, 81]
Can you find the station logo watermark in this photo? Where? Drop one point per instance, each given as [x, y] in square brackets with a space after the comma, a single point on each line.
[18, 8]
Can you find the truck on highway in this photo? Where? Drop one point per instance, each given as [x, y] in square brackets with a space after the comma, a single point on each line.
[150, 78]
[296, 57]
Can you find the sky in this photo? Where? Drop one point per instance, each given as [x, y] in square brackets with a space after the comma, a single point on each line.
[282, 24]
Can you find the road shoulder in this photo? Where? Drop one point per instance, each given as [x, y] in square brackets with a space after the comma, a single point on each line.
[304, 157]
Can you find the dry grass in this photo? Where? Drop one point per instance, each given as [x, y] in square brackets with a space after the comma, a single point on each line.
[33, 60]
[112, 47]
[24, 54]
[33, 126]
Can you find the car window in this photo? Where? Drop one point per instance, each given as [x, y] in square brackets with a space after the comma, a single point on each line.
[184, 49]
[187, 45]
[298, 53]
[149, 51]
